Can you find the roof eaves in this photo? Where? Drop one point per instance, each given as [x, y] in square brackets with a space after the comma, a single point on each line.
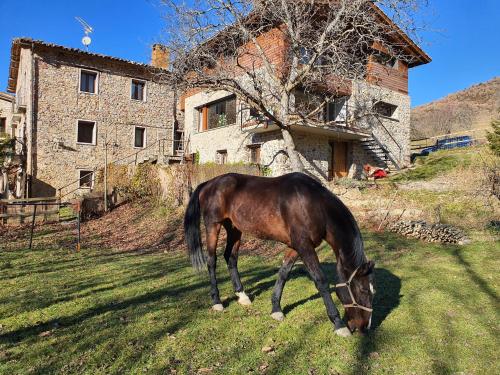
[8, 97]
[17, 43]
[423, 58]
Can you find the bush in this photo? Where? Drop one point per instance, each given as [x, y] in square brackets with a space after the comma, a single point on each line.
[6, 147]
[494, 137]
[131, 182]
[170, 184]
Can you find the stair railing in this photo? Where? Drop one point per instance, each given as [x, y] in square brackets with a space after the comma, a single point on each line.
[385, 149]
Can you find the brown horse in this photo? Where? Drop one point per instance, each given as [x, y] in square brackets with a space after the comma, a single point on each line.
[297, 211]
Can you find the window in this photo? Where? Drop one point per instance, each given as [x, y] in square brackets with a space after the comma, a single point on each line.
[86, 179]
[307, 104]
[138, 89]
[222, 156]
[336, 110]
[220, 113]
[140, 137]
[88, 81]
[254, 113]
[385, 109]
[3, 126]
[386, 60]
[306, 54]
[86, 132]
[254, 154]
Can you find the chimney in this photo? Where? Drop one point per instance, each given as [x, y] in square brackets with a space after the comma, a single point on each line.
[160, 56]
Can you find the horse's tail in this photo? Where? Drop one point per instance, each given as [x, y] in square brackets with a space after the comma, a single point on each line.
[192, 230]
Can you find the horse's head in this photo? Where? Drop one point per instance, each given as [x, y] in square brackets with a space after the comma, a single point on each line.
[356, 294]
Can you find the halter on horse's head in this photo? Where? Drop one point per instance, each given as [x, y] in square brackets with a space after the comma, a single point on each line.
[356, 294]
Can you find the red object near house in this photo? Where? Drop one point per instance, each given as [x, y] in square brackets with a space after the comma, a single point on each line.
[374, 172]
[379, 173]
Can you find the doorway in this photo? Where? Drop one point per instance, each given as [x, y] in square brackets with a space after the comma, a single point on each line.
[338, 160]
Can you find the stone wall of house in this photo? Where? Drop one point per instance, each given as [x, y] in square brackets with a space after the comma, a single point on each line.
[394, 132]
[59, 105]
[208, 142]
[315, 153]
[315, 150]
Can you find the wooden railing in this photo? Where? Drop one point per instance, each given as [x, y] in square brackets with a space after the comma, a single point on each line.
[478, 137]
[16, 211]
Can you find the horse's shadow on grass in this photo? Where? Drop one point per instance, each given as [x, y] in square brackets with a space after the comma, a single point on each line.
[387, 285]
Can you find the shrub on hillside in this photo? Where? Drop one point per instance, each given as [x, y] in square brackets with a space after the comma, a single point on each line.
[494, 137]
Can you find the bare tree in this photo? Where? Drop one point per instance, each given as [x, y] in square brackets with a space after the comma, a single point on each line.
[285, 59]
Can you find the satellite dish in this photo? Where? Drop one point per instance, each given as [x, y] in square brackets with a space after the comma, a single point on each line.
[87, 29]
[86, 41]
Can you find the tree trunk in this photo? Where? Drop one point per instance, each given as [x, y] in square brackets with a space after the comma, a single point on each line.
[295, 162]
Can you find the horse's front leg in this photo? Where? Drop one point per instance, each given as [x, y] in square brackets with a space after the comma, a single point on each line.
[311, 261]
[212, 237]
[290, 258]
[231, 256]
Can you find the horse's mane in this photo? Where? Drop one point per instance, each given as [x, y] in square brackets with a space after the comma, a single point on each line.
[348, 234]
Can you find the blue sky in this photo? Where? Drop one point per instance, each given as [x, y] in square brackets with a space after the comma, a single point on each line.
[463, 36]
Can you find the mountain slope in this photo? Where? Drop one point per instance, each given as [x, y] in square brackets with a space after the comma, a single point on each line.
[472, 108]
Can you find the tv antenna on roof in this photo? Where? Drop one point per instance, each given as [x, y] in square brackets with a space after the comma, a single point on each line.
[87, 29]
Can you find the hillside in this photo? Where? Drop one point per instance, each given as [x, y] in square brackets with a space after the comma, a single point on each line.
[472, 108]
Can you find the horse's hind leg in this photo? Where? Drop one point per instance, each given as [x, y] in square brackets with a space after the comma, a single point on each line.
[290, 258]
[311, 261]
[231, 256]
[212, 236]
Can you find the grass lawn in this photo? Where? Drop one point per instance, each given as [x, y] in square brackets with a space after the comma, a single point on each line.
[439, 162]
[96, 312]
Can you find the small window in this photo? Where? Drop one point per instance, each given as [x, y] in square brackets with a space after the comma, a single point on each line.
[337, 110]
[86, 179]
[88, 81]
[3, 126]
[86, 132]
[385, 109]
[254, 154]
[307, 104]
[222, 156]
[306, 54]
[138, 89]
[139, 137]
[254, 113]
[386, 60]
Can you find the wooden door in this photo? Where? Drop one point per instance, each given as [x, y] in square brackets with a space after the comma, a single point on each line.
[338, 162]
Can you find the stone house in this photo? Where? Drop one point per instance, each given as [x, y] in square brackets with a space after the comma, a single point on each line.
[221, 128]
[74, 110]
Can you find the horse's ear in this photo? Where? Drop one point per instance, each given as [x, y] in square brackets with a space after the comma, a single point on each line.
[367, 268]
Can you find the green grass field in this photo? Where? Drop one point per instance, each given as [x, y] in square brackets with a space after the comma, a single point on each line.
[440, 162]
[97, 312]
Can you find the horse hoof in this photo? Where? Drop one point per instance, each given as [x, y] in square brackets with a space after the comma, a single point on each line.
[243, 299]
[218, 307]
[279, 316]
[343, 332]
